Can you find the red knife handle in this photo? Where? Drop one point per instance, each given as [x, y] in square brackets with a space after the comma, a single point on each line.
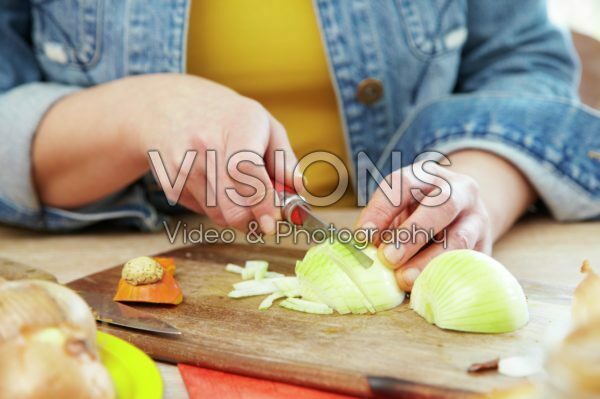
[291, 201]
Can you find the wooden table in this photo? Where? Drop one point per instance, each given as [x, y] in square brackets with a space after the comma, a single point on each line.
[536, 249]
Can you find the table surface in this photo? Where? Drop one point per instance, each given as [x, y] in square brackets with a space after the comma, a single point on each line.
[537, 249]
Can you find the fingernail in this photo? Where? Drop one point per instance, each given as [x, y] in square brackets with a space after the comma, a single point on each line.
[369, 226]
[393, 255]
[267, 224]
[410, 275]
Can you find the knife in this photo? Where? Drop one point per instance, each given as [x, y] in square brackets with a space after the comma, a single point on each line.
[106, 310]
[394, 388]
[103, 307]
[11, 270]
[296, 211]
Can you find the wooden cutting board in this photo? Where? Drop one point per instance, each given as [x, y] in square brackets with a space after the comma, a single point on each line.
[335, 352]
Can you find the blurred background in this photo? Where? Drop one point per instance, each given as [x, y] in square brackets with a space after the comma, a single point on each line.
[582, 18]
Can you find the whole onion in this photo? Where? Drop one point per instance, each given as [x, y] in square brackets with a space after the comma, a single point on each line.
[47, 344]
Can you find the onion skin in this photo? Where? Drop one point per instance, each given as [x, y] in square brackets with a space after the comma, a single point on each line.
[465, 290]
[586, 299]
[47, 344]
[574, 365]
[52, 363]
[30, 304]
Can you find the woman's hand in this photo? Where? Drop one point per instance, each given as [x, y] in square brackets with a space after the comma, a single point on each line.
[182, 113]
[487, 195]
[104, 134]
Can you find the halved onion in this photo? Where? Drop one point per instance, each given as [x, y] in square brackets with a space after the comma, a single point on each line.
[466, 290]
[330, 274]
[303, 305]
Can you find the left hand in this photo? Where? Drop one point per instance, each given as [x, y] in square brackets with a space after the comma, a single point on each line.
[488, 194]
[462, 220]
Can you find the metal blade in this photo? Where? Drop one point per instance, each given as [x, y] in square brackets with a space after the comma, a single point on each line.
[108, 311]
[311, 222]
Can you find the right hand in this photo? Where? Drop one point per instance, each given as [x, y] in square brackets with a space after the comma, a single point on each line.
[176, 113]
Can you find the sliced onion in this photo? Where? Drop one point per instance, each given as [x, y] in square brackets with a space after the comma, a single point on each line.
[232, 268]
[287, 284]
[249, 292]
[269, 274]
[268, 301]
[330, 274]
[253, 267]
[302, 305]
[469, 291]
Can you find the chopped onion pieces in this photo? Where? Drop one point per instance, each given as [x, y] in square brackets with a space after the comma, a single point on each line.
[234, 268]
[268, 301]
[302, 305]
[254, 267]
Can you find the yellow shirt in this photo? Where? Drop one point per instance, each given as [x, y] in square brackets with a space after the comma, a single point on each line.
[271, 51]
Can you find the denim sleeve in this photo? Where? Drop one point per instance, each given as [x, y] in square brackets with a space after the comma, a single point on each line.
[516, 98]
[550, 140]
[24, 100]
[512, 46]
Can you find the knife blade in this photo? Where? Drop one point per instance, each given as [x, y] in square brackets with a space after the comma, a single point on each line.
[311, 223]
[108, 311]
[11, 270]
[296, 211]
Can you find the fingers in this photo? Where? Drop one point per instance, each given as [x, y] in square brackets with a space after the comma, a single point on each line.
[425, 222]
[194, 197]
[209, 180]
[241, 181]
[280, 159]
[469, 232]
[394, 200]
[212, 195]
[253, 189]
[245, 148]
[386, 205]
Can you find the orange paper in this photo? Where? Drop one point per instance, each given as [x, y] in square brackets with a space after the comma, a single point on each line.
[164, 291]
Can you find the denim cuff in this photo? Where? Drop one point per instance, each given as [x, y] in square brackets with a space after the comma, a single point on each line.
[565, 200]
[21, 110]
[549, 140]
[129, 208]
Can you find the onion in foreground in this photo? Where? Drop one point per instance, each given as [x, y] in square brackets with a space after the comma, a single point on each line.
[573, 364]
[47, 344]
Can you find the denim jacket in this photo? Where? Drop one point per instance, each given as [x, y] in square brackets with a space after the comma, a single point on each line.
[488, 74]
